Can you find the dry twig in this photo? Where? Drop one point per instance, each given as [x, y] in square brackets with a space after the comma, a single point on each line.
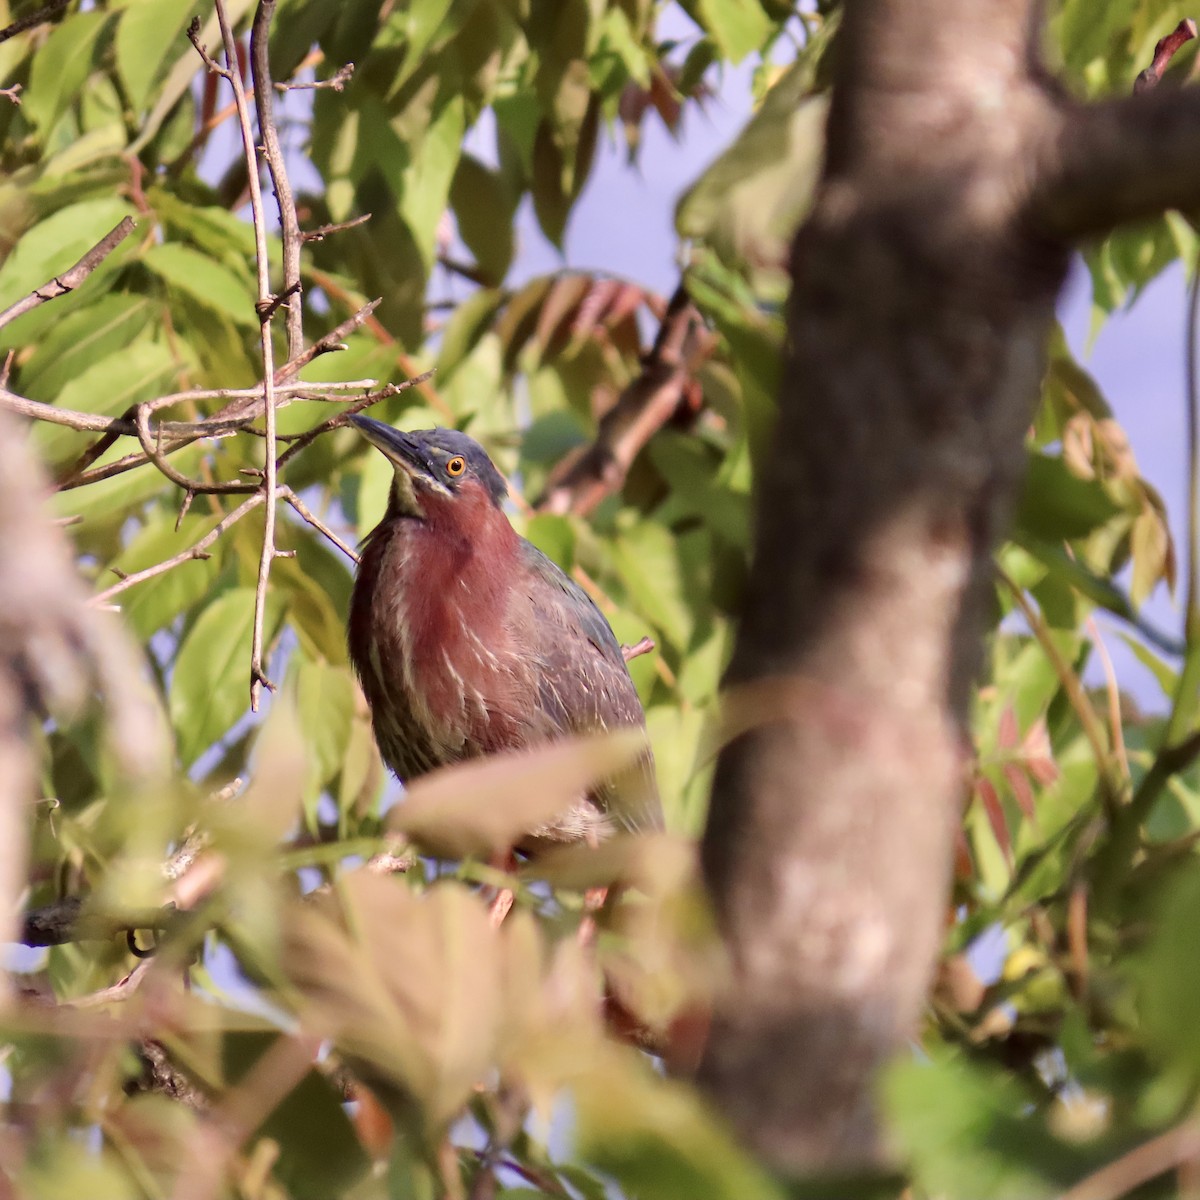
[337, 81]
[289, 226]
[258, 676]
[69, 280]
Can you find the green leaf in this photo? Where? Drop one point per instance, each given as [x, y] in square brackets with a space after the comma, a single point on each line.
[108, 387]
[428, 176]
[749, 202]
[432, 22]
[207, 281]
[320, 1154]
[967, 1131]
[148, 31]
[60, 68]
[648, 562]
[1057, 504]
[470, 322]
[154, 604]
[483, 208]
[210, 688]
[1168, 973]
[737, 26]
[81, 337]
[325, 699]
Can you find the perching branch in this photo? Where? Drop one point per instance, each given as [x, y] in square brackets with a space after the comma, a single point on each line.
[69, 280]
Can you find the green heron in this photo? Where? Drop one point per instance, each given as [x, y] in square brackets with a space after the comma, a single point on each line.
[469, 640]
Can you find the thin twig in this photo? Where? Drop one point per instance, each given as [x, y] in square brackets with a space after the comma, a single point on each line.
[336, 81]
[196, 551]
[323, 231]
[289, 226]
[37, 17]
[1111, 789]
[1140, 1165]
[193, 35]
[121, 990]
[258, 676]
[629, 653]
[306, 514]
[1166, 50]
[327, 344]
[69, 280]
[12, 94]
[152, 448]
[343, 417]
[69, 417]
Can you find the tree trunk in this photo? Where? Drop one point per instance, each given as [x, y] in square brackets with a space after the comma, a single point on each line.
[956, 176]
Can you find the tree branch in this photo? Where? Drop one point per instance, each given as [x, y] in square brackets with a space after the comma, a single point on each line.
[258, 676]
[196, 551]
[1164, 51]
[38, 17]
[1118, 161]
[289, 226]
[69, 280]
[582, 480]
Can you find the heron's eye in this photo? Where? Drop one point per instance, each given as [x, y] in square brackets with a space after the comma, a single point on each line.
[456, 466]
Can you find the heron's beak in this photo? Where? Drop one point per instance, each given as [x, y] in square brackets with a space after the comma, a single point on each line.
[408, 457]
[398, 447]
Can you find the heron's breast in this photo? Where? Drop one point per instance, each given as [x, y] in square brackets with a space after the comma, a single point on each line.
[438, 645]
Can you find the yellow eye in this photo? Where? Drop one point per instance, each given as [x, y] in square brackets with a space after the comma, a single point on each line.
[456, 466]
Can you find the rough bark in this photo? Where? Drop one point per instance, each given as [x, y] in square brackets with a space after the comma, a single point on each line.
[924, 286]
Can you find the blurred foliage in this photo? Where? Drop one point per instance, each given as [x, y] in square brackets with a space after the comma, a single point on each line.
[485, 1053]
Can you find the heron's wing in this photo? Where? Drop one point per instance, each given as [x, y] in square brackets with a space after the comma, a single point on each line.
[585, 685]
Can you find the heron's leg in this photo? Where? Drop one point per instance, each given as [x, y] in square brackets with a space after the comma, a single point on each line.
[502, 902]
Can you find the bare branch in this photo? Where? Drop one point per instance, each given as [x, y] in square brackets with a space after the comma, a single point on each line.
[193, 552]
[323, 231]
[645, 646]
[1120, 160]
[65, 416]
[331, 342]
[306, 514]
[12, 94]
[1166, 50]
[67, 920]
[69, 280]
[581, 481]
[258, 676]
[152, 448]
[336, 81]
[193, 35]
[343, 417]
[289, 226]
[37, 17]
[1140, 1165]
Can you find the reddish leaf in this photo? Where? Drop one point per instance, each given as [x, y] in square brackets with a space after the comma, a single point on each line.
[557, 311]
[964, 867]
[1009, 735]
[628, 300]
[994, 810]
[1021, 789]
[593, 308]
